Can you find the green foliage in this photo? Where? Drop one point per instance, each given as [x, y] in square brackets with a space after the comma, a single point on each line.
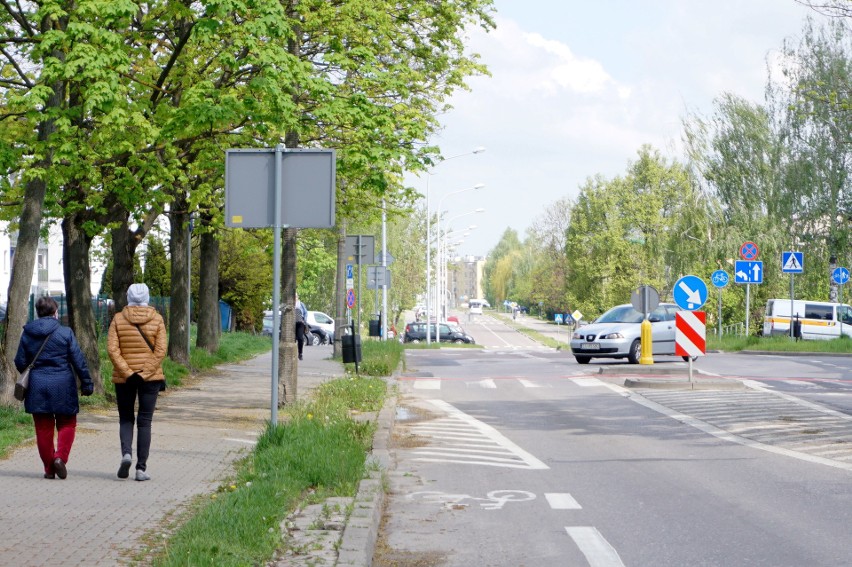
[157, 268]
[15, 427]
[245, 275]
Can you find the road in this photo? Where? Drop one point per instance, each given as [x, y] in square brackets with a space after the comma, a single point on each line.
[515, 455]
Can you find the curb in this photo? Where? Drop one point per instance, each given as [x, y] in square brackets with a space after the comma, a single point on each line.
[684, 385]
[362, 528]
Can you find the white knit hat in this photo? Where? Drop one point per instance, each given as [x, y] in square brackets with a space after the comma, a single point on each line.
[137, 294]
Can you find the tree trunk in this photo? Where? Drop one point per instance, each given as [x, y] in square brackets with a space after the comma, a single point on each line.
[288, 350]
[76, 245]
[340, 303]
[179, 242]
[207, 314]
[24, 259]
[124, 244]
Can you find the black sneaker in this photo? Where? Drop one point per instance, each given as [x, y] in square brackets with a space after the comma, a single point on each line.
[59, 468]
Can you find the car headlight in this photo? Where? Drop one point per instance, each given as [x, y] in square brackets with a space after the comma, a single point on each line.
[577, 336]
[612, 336]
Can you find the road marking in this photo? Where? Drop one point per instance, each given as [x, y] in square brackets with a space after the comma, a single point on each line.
[487, 383]
[802, 384]
[427, 384]
[588, 382]
[562, 501]
[449, 429]
[529, 383]
[598, 551]
[494, 500]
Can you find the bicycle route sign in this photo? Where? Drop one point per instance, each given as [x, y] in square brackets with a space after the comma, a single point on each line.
[720, 278]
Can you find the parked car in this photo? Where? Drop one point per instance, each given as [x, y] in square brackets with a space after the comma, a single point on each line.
[321, 325]
[450, 333]
[315, 335]
[616, 334]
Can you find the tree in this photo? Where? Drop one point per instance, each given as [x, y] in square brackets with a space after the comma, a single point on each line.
[156, 274]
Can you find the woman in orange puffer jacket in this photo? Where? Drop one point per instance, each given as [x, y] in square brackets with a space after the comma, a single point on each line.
[137, 344]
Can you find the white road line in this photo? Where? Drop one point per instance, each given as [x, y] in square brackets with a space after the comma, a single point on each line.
[427, 384]
[802, 384]
[528, 461]
[598, 551]
[562, 501]
[487, 383]
[588, 382]
[529, 383]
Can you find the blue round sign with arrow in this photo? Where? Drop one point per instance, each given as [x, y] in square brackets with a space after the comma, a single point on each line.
[690, 293]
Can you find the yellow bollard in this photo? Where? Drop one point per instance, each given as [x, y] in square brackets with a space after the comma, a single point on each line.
[647, 347]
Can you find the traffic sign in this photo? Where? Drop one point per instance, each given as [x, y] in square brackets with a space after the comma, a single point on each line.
[350, 298]
[748, 272]
[644, 299]
[720, 278]
[690, 292]
[690, 333]
[792, 262]
[840, 276]
[748, 251]
[558, 318]
[350, 272]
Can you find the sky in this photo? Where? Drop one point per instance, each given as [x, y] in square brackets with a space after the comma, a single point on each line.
[577, 87]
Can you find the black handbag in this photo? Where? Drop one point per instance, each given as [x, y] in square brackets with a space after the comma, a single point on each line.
[23, 383]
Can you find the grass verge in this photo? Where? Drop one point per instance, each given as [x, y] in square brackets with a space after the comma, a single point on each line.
[319, 451]
[378, 358]
[779, 344]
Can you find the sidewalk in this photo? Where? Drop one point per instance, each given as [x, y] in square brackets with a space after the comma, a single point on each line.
[94, 518]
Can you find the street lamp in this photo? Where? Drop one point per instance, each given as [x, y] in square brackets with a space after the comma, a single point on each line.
[441, 283]
[477, 150]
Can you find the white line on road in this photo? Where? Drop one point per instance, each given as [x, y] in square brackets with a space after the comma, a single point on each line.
[427, 384]
[529, 383]
[598, 551]
[562, 501]
[588, 382]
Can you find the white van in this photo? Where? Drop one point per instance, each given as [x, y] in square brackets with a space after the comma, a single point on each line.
[819, 319]
[475, 306]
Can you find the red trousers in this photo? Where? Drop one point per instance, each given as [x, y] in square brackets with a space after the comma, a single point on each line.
[66, 428]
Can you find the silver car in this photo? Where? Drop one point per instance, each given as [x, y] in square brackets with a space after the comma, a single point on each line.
[616, 334]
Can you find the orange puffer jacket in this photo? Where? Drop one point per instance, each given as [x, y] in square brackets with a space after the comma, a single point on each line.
[127, 349]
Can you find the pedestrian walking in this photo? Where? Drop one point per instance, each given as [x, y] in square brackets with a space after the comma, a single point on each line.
[136, 344]
[301, 313]
[51, 396]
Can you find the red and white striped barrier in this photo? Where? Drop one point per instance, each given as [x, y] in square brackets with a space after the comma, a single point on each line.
[690, 333]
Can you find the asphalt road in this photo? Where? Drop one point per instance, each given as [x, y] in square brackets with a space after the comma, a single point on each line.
[515, 455]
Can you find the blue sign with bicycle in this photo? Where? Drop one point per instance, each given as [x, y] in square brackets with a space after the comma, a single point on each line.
[720, 278]
[840, 276]
[690, 292]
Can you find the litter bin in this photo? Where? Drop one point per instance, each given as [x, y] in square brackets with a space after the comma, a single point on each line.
[351, 345]
[375, 329]
[797, 328]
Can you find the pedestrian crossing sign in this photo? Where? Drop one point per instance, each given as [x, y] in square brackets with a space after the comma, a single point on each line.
[792, 262]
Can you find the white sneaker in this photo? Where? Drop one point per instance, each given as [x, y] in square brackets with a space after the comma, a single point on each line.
[142, 475]
[124, 468]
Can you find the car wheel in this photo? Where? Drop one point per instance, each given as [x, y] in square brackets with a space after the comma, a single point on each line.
[415, 340]
[459, 341]
[582, 359]
[635, 352]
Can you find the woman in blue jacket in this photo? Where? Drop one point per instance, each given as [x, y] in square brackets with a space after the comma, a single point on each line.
[52, 394]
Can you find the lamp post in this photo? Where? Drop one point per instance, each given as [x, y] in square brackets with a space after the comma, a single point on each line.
[478, 150]
[443, 261]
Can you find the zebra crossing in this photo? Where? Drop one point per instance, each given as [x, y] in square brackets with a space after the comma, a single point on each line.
[763, 419]
[498, 381]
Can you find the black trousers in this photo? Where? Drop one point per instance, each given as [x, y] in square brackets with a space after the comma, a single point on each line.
[126, 395]
[300, 335]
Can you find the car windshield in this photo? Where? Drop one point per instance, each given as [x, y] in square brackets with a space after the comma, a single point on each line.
[621, 314]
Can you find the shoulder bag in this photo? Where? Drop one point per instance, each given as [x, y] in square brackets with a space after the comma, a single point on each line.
[23, 382]
[150, 346]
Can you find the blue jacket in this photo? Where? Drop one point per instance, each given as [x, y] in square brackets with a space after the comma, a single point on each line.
[53, 387]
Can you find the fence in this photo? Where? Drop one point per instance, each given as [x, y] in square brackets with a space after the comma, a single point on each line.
[737, 329]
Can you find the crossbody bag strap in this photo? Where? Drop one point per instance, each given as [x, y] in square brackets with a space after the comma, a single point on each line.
[147, 342]
[41, 348]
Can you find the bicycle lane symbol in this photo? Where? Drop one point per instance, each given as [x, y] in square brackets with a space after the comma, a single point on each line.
[494, 500]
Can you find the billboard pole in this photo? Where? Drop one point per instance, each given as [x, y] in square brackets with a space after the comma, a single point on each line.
[276, 284]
